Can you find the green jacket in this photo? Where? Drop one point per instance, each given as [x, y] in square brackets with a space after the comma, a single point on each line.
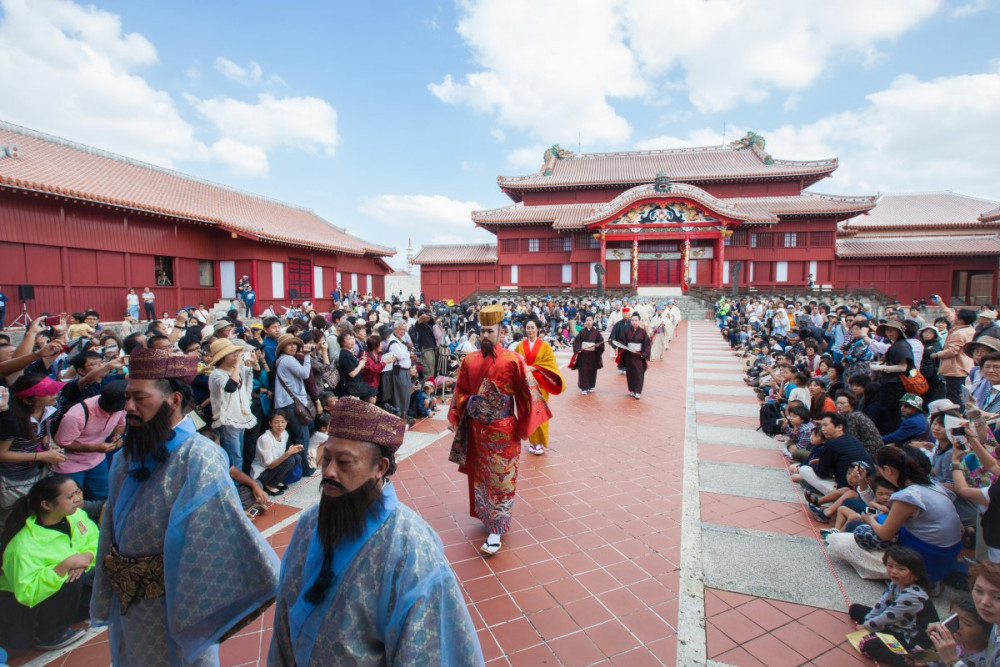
[31, 557]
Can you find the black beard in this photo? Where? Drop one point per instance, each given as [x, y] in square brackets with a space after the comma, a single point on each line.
[486, 347]
[340, 517]
[344, 516]
[149, 437]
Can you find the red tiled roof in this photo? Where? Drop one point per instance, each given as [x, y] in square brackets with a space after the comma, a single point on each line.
[748, 209]
[898, 246]
[921, 210]
[561, 216]
[680, 164]
[464, 253]
[991, 216]
[53, 165]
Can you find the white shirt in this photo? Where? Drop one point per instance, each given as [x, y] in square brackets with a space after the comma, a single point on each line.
[148, 297]
[268, 449]
[201, 315]
[398, 349]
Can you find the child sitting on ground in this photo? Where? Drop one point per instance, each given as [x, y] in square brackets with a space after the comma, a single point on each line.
[824, 507]
[797, 431]
[851, 511]
[904, 611]
[816, 442]
[318, 439]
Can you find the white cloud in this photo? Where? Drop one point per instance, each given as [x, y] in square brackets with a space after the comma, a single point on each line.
[249, 130]
[421, 211]
[498, 134]
[700, 137]
[549, 68]
[791, 102]
[970, 8]
[246, 76]
[447, 239]
[527, 157]
[72, 71]
[559, 67]
[911, 136]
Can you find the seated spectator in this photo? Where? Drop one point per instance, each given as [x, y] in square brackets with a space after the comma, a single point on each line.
[904, 612]
[88, 432]
[422, 401]
[274, 463]
[819, 401]
[319, 437]
[972, 642]
[251, 494]
[826, 507]
[913, 425]
[798, 429]
[834, 379]
[922, 516]
[858, 423]
[839, 451]
[875, 496]
[48, 549]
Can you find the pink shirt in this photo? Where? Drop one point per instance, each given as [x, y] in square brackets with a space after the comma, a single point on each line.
[98, 427]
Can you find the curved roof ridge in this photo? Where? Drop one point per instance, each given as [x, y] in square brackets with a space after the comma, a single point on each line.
[649, 190]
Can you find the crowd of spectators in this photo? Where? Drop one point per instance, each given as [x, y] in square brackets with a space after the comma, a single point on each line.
[888, 421]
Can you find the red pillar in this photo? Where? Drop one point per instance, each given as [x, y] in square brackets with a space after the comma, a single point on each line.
[604, 258]
[635, 262]
[720, 256]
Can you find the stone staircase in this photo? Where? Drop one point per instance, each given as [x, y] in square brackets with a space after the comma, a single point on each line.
[693, 309]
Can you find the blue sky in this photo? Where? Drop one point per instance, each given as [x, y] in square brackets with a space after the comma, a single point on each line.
[393, 119]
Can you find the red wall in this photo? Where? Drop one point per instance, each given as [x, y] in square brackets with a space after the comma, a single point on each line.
[81, 257]
[456, 281]
[909, 278]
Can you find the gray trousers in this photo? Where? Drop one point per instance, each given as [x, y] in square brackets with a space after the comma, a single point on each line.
[401, 387]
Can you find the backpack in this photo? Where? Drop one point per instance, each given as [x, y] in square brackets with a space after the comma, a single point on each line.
[770, 414]
[56, 418]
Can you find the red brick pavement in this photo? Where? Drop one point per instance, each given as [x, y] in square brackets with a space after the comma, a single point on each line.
[589, 573]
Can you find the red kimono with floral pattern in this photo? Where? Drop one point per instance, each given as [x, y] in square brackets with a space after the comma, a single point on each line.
[506, 407]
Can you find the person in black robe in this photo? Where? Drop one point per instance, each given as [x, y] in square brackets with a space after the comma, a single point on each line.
[618, 336]
[636, 362]
[588, 361]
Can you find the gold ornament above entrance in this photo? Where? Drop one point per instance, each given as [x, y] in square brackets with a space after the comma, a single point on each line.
[626, 253]
[672, 212]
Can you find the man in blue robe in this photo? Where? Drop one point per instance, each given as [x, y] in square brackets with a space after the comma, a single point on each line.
[365, 580]
[179, 566]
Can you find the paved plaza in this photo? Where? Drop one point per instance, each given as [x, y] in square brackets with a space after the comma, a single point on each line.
[661, 531]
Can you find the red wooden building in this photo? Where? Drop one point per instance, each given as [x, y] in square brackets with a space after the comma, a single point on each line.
[82, 226]
[657, 220]
[916, 244]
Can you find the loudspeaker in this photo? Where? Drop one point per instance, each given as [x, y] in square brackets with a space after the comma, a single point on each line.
[26, 292]
[293, 293]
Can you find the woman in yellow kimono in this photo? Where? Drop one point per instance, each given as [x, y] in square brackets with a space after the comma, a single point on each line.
[542, 365]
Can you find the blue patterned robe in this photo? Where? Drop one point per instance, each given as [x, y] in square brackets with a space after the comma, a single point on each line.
[218, 568]
[394, 599]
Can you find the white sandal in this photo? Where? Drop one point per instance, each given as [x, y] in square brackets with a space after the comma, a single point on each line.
[490, 548]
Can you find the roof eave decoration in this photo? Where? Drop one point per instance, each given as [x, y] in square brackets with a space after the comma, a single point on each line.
[644, 205]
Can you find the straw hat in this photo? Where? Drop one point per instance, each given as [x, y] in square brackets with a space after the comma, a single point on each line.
[891, 324]
[223, 347]
[986, 341]
[285, 340]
